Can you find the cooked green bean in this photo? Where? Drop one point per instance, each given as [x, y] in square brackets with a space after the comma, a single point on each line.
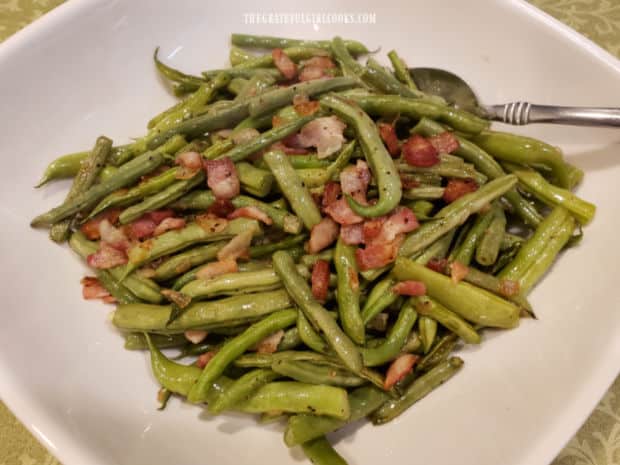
[401, 70]
[440, 352]
[242, 389]
[429, 307]
[255, 181]
[466, 249]
[117, 290]
[236, 85]
[309, 336]
[316, 177]
[184, 261]
[348, 292]
[137, 341]
[295, 53]
[192, 82]
[427, 328]
[380, 298]
[63, 167]
[321, 452]
[424, 193]
[308, 372]
[290, 340]
[254, 41]
[289, 242]
[232, 284]
[487, 249]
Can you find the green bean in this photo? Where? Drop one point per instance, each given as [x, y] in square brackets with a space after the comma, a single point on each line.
[307, 372]
[245, 73]
[487, 250]
[290, 340]
[254, 180]
[143, 288]
[417, 390]
[180, 263]
[428, 330]
[321, 452]
[173, 241]
[309, 336]
[86, 176]
[309, 260]
[295, 53]
[553, 195]
[237, 346]
[126, 175]
[524, 150]
[137, 341]
[380, 298]
[304, 427]
[348, 292]
[229, 311]
[242, 389]
[316, 177]
[401, 70]
[277, 98]
[440, 352]
[257, 84]
[236, 85]
[380, 161]
[106, 173]
[294, 397]
[218, 148]
[63, 167]
[535, 245]
[191, 274]
[161, 199]
[429, 307]
[438, 249]
[238, 55]
[288, 242]
[116, 289]
[192, 83]
[423, 193]
[308, 161]
[510, 241]
[253, 41]
[318, 316]
[448, 170]
[545, 259]
[396, 339]
[455, 214]
[484, 163]
[297, 195]
[232, 284]
[575, 175]
[384, 81]
[472, 303]
[466, 249]
[281, 218]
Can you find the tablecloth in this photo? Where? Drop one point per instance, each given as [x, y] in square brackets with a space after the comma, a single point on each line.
[598, 440]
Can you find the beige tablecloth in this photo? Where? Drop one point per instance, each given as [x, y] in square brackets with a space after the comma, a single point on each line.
[596, 443]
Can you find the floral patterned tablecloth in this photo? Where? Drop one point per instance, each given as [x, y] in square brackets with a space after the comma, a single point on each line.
[598, 440]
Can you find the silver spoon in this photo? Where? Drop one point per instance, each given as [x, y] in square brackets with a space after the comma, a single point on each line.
[458, 93]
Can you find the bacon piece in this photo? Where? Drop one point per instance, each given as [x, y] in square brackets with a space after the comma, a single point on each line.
[270, 344]
[91, 228]
[245, 135]
[222, 178]
[287, 149]
[509, 288]
[320, 280]
[457, 188]
[141, 228]
[372, 228]
[205, 358]
[160, 215]
[285, 65]
[195, 336]
[389, 138]
[437, 264]
[352, 234]
[106, 257]
[211, 223]
[458, 271]
[418, 151]
[411, 288]
[325, 133]
[310, 73]
[401, 220]
[113, 236]
[190, 163]
[307, 108]
[322, 235]
[218, 268]
[331, 193]
[93, 289]
[221, 208]
[446, 142]
[354, 180]
[251, 212]
[169, 224]
[341, 213]
[399, 369]
[322, 62]
[378, 254]
[237, 247]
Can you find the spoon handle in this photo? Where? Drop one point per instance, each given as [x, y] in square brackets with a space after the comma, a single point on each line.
[519, 113]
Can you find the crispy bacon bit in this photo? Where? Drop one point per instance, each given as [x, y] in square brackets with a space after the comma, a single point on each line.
[411, 288]
[237, 247]
[352, 234]
[113, 236]
[93, 289]
[106, 257]
[354, 181]
[218, 268]
[401, 220]
[141, 228]
[458, 271]
[270, 344]
[245, 135]
[372, 228]
[91, 228]
[418, 151]
[190, 163]
[378, 254]
[457, 188]
[322, 235]
[341, 213]
[211, 223]
[310, 73]
[389, 138]
[277, 121]
[437, 264]
[285, 65]
[320, 280]
[176, 297]
[509, 288]
[169, 224]
[287, 149]
[446, 142]
[251, 212]
[307, 108]
[316, 68]
[221, 208]
[331, 193]
[399, 369]
[205, 358]
[325, 133]
[160, 215]
[222, 178]
[195, 336]
[322, 62]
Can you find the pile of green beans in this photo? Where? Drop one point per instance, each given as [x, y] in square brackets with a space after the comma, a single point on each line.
[264, 343]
